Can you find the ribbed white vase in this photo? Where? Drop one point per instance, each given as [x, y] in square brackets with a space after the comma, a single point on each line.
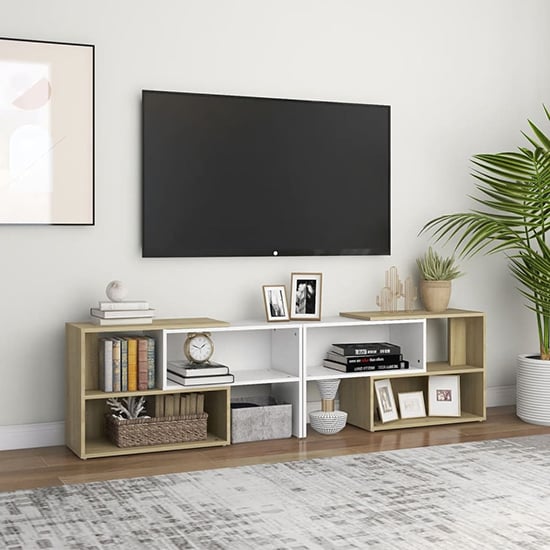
[533, 390]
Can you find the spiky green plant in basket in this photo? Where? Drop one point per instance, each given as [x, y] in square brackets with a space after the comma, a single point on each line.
[434, 267]
[514, 218]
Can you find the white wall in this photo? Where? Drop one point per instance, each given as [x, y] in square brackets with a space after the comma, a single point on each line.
[461, 76]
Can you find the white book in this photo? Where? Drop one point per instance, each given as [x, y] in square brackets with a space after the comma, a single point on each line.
[106, 364]
[185, 368]
[121, 313]
[134, 321]
[124, 305]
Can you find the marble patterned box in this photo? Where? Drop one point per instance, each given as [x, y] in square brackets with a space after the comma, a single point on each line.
[259, 418]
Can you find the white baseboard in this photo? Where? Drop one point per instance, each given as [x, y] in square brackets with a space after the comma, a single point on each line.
[48, 434]
[498, 396]
[28, 436]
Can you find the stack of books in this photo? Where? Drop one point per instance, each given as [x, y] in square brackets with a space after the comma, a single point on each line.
[366, 356]
[179, 404]
[186, 373]
[130, 312]
[127, 363]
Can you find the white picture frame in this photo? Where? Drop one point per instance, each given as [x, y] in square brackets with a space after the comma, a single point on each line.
[276, 303]
[411, 404]
[305, 296]
[387, 409]
[444, 395]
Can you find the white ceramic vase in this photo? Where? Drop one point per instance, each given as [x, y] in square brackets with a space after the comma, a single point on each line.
[533, 390]
[328, 421]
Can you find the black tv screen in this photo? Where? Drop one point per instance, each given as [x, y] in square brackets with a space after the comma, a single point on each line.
[248, 176]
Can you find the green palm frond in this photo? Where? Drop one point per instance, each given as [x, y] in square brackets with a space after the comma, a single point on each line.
[512, 216]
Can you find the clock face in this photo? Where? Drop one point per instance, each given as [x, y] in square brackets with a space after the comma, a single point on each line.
[199, 348]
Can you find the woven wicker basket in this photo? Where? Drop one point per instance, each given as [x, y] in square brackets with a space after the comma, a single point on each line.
[156, 431]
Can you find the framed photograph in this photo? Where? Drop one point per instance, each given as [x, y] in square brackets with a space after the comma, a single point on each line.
[411, 404]
[305, 296]
[47, 133]
[386, 401]
[276, 305]
[444, 395]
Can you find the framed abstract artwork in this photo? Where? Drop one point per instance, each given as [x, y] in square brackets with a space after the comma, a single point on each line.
[411, 404]
[46, 133]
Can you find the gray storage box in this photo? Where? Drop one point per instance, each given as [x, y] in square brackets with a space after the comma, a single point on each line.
[259, 418]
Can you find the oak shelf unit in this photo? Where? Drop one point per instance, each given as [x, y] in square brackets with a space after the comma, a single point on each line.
[264, 356]
[283, 360]
[464, 347]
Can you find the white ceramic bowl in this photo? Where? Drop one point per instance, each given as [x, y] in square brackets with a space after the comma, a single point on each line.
[328, 423]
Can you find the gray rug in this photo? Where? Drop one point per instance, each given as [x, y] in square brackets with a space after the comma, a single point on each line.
[492, 494]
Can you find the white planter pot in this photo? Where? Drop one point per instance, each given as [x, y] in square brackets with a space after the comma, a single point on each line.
[533, 390]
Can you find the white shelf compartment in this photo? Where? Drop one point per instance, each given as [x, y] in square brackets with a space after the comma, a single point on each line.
[263, 357]
[254, 352]
[409, 334]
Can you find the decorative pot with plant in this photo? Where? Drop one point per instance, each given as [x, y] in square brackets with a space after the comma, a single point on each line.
[514, 218]
[435, 284]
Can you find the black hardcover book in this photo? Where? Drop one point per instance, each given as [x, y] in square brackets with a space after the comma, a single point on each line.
[384, 359]
[367, 348]
[365, 367]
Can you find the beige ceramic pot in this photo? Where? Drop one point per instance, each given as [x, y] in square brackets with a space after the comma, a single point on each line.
[435, 295]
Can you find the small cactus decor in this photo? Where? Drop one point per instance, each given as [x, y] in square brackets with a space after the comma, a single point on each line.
[128, 407]
[394, 290]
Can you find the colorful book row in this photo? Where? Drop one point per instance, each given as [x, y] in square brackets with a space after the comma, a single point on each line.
[127, 363]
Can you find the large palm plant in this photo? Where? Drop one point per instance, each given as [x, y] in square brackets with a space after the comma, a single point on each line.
[514, 219]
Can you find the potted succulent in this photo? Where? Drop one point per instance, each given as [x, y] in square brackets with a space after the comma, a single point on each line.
[514, 218]
[437, 273]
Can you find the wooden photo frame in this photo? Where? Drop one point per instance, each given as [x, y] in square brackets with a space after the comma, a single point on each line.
[47, 132]
[444, 395]
[305, 296]
[411, 404]
[275, 301]
[386, 401]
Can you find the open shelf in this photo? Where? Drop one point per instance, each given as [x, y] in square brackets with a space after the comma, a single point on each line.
[421, 422]
[284, 361]
[457, 334]
[101, 447]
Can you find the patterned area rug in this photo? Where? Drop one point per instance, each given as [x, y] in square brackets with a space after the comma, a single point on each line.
[483, 495]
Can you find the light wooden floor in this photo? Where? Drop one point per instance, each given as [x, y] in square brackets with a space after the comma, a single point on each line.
[50, 466]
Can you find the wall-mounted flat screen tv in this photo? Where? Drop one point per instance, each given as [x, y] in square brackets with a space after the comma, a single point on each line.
[250, 176]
